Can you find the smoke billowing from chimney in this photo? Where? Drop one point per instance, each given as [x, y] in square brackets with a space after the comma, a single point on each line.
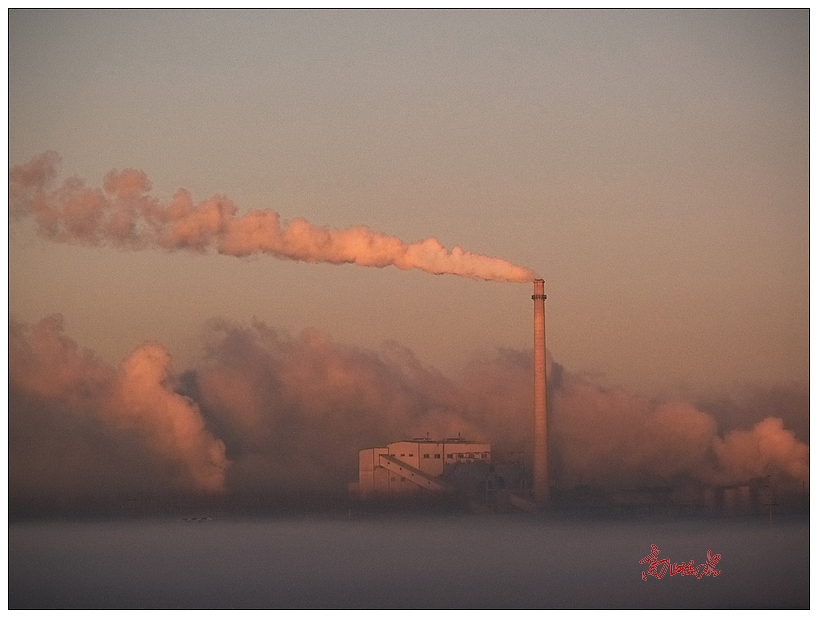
[123, 214]
[265, 410]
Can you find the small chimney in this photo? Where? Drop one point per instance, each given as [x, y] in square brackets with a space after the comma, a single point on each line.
[541, 486]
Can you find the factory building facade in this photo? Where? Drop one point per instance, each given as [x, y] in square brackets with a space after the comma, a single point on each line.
[412, 466]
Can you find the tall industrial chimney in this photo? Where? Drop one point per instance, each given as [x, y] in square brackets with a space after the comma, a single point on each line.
[541, 488]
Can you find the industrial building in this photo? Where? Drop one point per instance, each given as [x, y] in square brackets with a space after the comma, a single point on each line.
[413, 466]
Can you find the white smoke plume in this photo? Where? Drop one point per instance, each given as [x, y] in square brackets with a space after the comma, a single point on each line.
[123, 214]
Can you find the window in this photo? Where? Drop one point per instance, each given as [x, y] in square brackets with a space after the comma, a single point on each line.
[460, 455]
[425, 455]
[411, 454]
[449, 456]
[471, 455]
[484, 455]
[402, 479]
[437, 455]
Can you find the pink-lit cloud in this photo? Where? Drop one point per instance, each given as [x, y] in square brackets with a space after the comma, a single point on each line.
[136, 402]
[264, 410]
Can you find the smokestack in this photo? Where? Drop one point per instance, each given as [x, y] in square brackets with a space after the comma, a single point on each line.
[541, 488]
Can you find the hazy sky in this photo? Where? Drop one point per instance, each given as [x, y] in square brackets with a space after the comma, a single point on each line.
[653, 167]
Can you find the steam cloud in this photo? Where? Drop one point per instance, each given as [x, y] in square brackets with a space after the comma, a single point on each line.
[264, 410]
[122, 214]
[613, 437]
[51, 378]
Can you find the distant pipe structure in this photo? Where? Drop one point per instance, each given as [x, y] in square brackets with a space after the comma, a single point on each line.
[541, 485]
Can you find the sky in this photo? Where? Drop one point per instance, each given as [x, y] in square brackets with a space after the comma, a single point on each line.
[652, 167]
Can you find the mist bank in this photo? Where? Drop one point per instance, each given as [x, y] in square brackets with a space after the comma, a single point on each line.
[264, 413]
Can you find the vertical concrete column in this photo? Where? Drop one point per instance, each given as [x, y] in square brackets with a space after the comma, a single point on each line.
[541, 486]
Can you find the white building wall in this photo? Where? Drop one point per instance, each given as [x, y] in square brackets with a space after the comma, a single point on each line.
[426, 455]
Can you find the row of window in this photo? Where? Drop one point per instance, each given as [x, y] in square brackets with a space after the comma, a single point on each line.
[451, 455]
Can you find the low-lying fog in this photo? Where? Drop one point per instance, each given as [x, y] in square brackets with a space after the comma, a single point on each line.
[400, 562]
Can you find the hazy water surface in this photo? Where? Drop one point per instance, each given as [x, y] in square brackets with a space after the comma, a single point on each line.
[432, 562]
